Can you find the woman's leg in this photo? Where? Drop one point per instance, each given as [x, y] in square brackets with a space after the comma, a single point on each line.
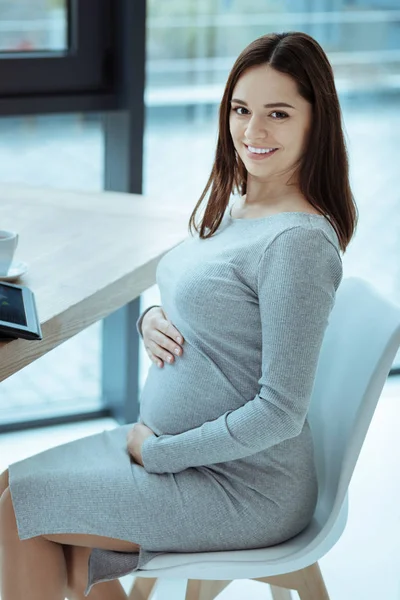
[33, 568]
[37, 568]
[77, 558]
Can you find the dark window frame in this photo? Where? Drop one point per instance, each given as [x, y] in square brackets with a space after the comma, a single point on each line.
[81, 78]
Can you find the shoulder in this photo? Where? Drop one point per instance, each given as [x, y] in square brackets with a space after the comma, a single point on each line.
[305, 251]
[306, 235]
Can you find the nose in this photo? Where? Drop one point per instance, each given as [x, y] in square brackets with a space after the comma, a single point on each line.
[256, 129]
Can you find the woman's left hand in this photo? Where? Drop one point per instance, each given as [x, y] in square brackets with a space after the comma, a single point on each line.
[135, 439]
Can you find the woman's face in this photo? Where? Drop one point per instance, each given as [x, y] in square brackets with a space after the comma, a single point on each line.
[282, 125]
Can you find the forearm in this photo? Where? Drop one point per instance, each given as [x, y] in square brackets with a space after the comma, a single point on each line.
[236, 434]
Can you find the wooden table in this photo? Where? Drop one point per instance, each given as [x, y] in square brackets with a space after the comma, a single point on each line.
[88, 253]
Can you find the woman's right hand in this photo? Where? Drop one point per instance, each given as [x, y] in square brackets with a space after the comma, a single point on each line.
[160, 337]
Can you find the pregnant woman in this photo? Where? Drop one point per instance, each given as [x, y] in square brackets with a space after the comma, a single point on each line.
[222, 457]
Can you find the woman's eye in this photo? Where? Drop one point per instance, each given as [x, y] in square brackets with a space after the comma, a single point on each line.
[277, 112]
[281, 115]
[238, 108]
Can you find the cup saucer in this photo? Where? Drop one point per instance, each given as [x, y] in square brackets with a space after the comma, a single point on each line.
[17, 269]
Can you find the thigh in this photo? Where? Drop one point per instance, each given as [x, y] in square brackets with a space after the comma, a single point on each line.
[92, 541]
[8, 520]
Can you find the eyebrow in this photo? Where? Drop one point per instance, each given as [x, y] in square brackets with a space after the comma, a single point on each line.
[270, 105]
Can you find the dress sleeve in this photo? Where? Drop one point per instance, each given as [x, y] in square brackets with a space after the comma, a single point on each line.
[297, 278]
[140, 319]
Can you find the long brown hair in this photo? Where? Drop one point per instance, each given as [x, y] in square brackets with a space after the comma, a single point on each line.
[324, 169]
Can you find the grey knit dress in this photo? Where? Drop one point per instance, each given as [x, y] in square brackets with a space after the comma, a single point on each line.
[231, 465]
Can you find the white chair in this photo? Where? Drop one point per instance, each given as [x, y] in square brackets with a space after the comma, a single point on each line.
[358, 350]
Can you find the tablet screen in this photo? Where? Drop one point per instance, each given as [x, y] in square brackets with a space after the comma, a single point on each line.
[12, 305]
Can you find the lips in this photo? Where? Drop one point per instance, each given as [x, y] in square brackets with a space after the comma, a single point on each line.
[258, 148]
[259, 155]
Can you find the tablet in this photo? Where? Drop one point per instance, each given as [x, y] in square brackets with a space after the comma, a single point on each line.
[18, 314]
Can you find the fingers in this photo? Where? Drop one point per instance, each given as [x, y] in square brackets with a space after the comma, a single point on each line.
[162, 324]
[166, 342]
[161, 340]
[154, 358]
[166, 349]
[168, 329]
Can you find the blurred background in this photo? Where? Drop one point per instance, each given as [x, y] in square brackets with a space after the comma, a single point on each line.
[190, 48]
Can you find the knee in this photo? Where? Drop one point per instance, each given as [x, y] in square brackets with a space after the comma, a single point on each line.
[4, 482]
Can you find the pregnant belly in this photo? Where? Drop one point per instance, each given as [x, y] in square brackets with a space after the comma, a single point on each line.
[186, 394]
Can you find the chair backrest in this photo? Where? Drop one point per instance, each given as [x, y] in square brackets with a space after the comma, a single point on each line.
[358, 350]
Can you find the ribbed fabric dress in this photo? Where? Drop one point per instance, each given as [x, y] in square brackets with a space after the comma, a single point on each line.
[232, 463]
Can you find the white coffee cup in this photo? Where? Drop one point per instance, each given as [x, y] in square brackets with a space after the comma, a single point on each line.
[8, 245]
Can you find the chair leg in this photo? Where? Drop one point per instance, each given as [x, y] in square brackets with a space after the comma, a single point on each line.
[308, 583]
[279, 593]
[204, 589]
[142, 589]
[312, 585]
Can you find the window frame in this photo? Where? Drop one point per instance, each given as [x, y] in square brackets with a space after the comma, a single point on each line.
[81, 78]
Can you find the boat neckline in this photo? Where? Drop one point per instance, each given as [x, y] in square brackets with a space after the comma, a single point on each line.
[286, 212]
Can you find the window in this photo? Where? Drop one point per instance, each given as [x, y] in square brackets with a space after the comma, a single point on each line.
[60, 46]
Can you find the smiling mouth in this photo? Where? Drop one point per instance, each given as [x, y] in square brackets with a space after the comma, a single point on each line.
[259, 155]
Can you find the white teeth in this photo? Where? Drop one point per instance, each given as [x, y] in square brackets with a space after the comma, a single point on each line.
[260, 150]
